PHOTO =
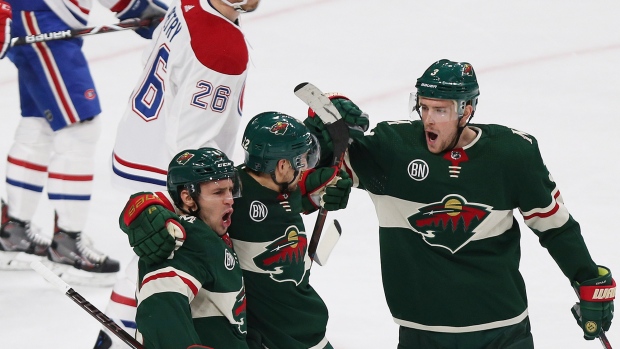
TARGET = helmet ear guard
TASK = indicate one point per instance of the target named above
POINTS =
(447, 79)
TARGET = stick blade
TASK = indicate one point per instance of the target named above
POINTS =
(327, 243)
(318, 101)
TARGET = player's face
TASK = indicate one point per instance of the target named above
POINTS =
(440, 123)
(290, 176)
(216, 200)
(250, 6)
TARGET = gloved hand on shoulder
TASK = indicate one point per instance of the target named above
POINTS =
(5, 28)
(595, 309)
(142, 9)
(354, 118)
(327, 187)
(154, 231)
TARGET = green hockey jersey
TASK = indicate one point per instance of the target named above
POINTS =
(284, 311)
(198, 297)
(450, 245)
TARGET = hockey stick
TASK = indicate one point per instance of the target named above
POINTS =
(74, 33)
(339, 133)
(327, 243)
(84, 304)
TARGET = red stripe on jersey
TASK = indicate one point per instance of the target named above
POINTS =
(26, 164)
(171, 274)
(119, 6)
(68, 177)
(546, 214)
(138, 166)
(84, 10)
(117, 298)
(217, 44)
(49, 67)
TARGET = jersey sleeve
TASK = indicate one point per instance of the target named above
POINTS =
(165, 292)
(369, 157)
(540, 202)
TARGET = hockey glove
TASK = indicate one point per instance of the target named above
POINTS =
(354, 118)
(142, 9)
(595, 310)
(327, 187)
(154, 231)
(5, 28)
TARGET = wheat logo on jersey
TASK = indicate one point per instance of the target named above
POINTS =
(279, 128)
(184, 158)
(418, 169)
(449, 223)
(258, 211)
(284, 258)
(239, 311)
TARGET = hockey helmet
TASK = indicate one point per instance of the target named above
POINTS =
(447, 79)
(272, 136)
(191, 167)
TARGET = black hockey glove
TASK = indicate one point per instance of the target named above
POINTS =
(154, 231)
(595, 309)
(327, 187)
(354, 118)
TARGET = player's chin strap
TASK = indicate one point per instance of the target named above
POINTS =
(459, 131)
(284, 185)
(237, 5)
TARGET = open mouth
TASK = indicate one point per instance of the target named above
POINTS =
(431, 136)
(226, 218)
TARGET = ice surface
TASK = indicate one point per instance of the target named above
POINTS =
(549, 68)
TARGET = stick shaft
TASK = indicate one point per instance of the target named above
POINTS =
(75, 33)
(86, 305)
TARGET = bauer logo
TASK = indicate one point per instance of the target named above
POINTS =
(258, 211)
(229, 260)
(418, 170)
(427, 85)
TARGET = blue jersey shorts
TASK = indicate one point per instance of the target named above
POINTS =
(54, 78)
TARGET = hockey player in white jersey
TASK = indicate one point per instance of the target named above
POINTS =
(56, 138)
(189, 96)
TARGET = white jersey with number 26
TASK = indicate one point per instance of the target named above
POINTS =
(189, 95)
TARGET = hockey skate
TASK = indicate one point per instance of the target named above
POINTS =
(72, 257)
(20, 244)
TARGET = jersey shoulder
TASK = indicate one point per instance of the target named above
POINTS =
(217, 43)
(514, 148)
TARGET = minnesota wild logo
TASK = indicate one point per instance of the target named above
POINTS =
(239, 311)
(279, 128)
(284, 258)
(450, 223)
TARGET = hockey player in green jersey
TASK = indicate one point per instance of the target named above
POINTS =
(444, 191)
(197, 299)
(267, 230)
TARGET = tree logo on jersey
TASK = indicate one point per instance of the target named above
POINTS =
(184, 158)
(279, 128)
(239, 311)
(284, 258)
(449, 223)
(418, 169)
